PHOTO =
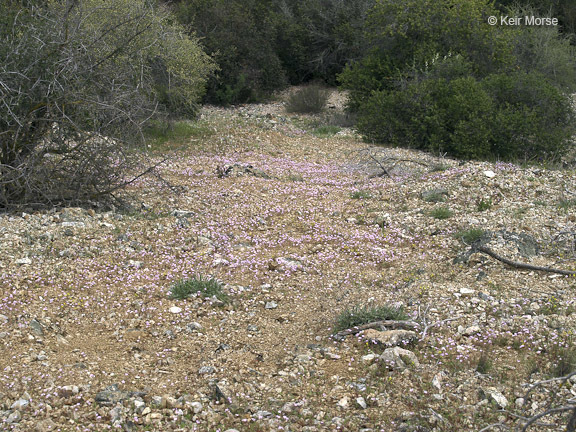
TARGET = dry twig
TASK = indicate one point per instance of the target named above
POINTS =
(515, 264)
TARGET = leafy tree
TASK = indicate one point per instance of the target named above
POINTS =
(77, 83)
(240, 36)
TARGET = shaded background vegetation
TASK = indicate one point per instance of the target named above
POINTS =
(80, 80)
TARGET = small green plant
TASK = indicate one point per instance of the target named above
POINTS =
(565, 361)
(309, 99)
(295, 177)
(484, 364)
(438, 167)
(434, 195)
(199, 286)
(441, 213)
(566, 204)
(551, 306)
(359, 315)
(326, 131)
(471, 235)
(158, 134)
(483, 205)
(361, 194)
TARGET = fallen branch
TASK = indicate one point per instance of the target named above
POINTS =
(391, 324)
(515, 264)
(436, 323)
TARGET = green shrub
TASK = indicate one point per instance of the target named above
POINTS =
(471, 235)
(437, 78)
(309, 99)
(198, 285)
(532, 120)
(441, 213)
(359, 315)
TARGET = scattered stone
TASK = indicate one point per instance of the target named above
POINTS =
(398, 358)
(196, 407)
(20, 404)
(68, 391)
(466, 292)
(15, 417)
(271, 305)
(252, 328)
(36, 327)
(182, 213)
(472, 330)
(390, 337)
(206, 370)
(490, 174)
(361, 402)
(344, 403)
(24, 261)
(3, 319)
(159, 401)
(111, 395)
(194, 326)
(175, 309)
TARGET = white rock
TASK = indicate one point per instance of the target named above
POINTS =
(437, 381)
(490, 174)
(494, 395)
(361, 402)
(344, 402)
(271, 305)
(472, 330)
(368, 358)
(20, 404)
(175, 309)
(15, 417)
(196, 407)
(466, 292)
(24, 261)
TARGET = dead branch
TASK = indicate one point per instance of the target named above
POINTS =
(535, 418)
(437, 323)
(391, 324)
(515, 264)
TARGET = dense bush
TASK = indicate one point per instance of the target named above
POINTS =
(309, 99)
(78, 83)
(437, 77)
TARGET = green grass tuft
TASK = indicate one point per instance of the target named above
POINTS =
(471, 235)
(359, 315)
(361, 194)
(198, 285)
(484, 205)
(326, 131)
(158, 134)
(441, 213)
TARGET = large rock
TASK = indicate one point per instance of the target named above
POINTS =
(398, 358)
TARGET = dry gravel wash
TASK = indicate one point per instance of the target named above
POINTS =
(91, 340)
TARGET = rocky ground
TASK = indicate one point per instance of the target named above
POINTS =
(300, 224)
